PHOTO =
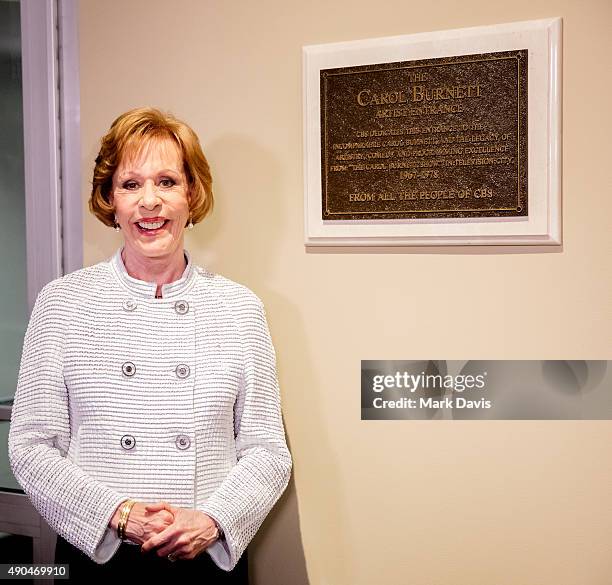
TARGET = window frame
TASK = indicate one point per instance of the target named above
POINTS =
(51, 120)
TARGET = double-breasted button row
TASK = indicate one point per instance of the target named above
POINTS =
(181, 307)
(182, 370)
(182, 442)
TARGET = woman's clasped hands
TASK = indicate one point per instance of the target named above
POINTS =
(142, 524)
(187, 534)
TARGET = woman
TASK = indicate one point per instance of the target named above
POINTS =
(147, 408)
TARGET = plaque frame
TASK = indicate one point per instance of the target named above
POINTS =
(543, 225)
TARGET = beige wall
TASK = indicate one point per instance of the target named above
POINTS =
(373, 502)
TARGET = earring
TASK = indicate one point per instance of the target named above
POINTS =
(190, 225)
(117, 226)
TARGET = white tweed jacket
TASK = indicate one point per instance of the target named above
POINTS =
(122, 395)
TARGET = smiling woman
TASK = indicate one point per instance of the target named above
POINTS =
(151, 180)
(151, 198)
(147, 409)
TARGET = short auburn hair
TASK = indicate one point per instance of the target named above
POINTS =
(127, 134)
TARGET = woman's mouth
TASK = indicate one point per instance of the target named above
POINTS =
(151, 228)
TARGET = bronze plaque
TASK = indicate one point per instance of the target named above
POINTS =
(434, 138)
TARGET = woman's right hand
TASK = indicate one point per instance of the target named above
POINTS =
(142, 524)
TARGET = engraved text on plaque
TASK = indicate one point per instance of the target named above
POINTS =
(434, 138)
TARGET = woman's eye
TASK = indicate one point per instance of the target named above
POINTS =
(166, 182)
(130, 185)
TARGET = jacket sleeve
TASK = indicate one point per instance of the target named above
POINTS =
(76, 506)
(263, 467)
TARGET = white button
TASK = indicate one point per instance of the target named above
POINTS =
(181, 307)
(183, 442)
(128, 369)
(182, 370)
(129, 304)
(128, 442)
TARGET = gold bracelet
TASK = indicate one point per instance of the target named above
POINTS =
(126, 508)
(123, 518)
(121, 523)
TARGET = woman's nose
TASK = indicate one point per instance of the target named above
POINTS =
(149, 198)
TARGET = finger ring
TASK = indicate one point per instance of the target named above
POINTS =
(172, 557)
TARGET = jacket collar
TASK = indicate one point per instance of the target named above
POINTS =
(143, 289)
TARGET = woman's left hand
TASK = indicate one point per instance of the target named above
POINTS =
(191, 533)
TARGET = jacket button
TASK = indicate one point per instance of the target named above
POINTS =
(128, 442)
(181, 307)
(182, 370)
(128, 369)
(183, 442)
(129, 304)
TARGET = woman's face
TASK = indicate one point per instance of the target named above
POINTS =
(151, 199)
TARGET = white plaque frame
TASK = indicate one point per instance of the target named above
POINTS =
(543, 226)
